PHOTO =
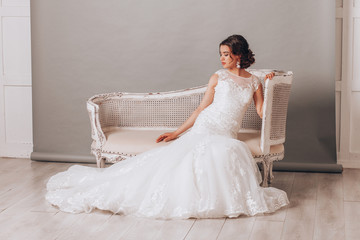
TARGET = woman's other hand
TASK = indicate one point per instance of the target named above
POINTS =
(167, 137)
(270, 75)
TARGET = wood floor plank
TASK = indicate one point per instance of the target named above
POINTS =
(35, 202)
(26, 226)
(352, 226)
(6, 184)
(174, 229)
(12, 196)
(9, 164)
(205, 229)
(32, 181)
(266, 230)
(351, 180)
(237, 228)
(143, 229)
(17, 177)
(85, 226)
(115, 227)
(300, 216)
(278, 216)
(300, 220)
(305, 186)
(27, 193)
(66, 225)
(283, 181)
(329, 222)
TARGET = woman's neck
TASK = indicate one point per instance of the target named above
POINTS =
(239, 71)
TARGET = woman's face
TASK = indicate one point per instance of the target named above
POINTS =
(227, 59)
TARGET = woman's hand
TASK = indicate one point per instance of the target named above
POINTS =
(270, 75)
(167, 137)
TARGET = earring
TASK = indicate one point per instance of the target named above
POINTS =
(238, 64)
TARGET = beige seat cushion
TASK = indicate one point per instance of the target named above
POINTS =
(130, 141)
(253, 141)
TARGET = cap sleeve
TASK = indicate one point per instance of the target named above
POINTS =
(220, 73)
(255, 83)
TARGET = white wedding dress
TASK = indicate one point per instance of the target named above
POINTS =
(205, 173)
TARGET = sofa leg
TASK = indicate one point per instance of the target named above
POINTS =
(100, 163)
(265, 173)
(271, 176)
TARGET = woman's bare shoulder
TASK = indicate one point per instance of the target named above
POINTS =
(213, 80)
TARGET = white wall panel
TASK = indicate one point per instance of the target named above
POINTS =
(355, 123)
(356, 57)
(338, 71)
(339, 3)
(338, 48)
(349, 86)
(15, 3)
(16, 50)
(15, 79)
(338, 111)
(356, 3)
(355, 94)
(18, 114)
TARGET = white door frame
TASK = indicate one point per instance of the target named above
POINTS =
(15, 79)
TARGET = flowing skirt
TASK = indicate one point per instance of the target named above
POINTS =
(197, 175)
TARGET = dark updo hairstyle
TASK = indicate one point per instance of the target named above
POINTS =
(239, 46)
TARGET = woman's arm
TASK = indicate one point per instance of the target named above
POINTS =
(259, 96)
(206, 101)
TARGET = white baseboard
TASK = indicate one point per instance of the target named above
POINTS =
(352, 162)
(16, 150)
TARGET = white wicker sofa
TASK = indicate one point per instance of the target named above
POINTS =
(126, 124)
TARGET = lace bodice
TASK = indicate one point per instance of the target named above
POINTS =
(233, 95)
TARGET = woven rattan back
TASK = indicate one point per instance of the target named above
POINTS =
(281, 93)
(276, 99)
(163, 110)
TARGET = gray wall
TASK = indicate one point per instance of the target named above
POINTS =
(81, 48)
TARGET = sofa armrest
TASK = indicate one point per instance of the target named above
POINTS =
(276, 98)
(97, 133)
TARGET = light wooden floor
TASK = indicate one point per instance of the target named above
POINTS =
(323, 206)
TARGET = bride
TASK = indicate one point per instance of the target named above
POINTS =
(204, 173)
